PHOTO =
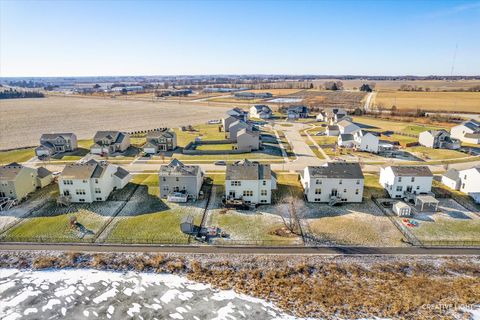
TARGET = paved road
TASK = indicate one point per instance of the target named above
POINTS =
(241, 250)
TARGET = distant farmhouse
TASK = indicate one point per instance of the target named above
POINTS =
(53, 143)
(179, 182)
(438, 139)
(334, 182)
(297, 112)
(17, 181)
(161, 140)
(108, 142)
(252, 95)
(250, 182)
(466, 181)
(399, 181)
(91, 181)
(468, 131)
(260, 112)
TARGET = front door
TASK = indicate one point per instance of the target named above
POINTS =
(409, 188)
(232, 194)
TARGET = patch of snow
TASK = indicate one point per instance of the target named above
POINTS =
(110, 309)
(29, 311)
(50, 304)
(175, 316)
(135, 309)
(104, 296)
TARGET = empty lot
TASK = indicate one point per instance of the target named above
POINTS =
(22, 121)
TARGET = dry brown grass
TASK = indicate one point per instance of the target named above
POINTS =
(395, 85)
(430, 101)
(277, 92)
(22, 121)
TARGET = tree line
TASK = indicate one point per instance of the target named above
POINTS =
(14, 94)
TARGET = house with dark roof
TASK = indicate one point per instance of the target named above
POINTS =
(109, 142)
(235, 128)
(402, 181)
(248, 140)
(332, 131)
(179, 182)
(296, 112)
(250, 182)
(260, 111)
(438, 139)
(53, 143)
(17, 181)
(468, 131)
(91, 181)
(333, 182)
(466, 181)
(334, 115)
(160, 140)
(238, 113)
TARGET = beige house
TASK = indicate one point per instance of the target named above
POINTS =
(235, 127)
(17, 181)
(161, 140)
(52, 143)
(248, 140)
(108, 142)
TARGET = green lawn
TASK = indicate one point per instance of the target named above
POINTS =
(435, 154)
(204, 131)
(224, 146)
(372, 186)
(20, 155)
(383, 125)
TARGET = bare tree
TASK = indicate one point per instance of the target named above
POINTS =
(291, 209)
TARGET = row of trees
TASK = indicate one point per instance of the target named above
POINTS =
(14, 94)
(409, 87)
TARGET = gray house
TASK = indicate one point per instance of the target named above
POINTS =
(162, 140)
(107, 142)
(295, 112)
(179, 182)
(235, 127)
(438, 139)
(248, 140)
(227, 121)
(53, 143)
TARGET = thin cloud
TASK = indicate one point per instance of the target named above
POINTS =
(454, 10)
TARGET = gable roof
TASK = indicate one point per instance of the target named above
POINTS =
(10, 171)
(43, 172)
(177, 168)
(333, 127)
(248, 170)
(411, 171)
(338, 170)
(54, 135)
(121, 173)
(297, 109)
(452, 174)
(84, 170)
(262, 108)
(116, 136)
(346, 136)
(346, 123)
(165, 133)
(472, 124)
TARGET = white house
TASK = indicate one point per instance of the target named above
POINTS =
(400, 181)
(401, 208)
(466, 181)
(438, 139)
(335, 115)
(346, 126)
(468, 131)
(91, 181)
(332, 130)
(367, 141)
(250, 181)
(334, 182)
(346, 140)
(260, 112)
(179, 182)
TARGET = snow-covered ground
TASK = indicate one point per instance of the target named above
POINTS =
(93, 294)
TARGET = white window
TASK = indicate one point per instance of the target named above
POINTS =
(399, 179)
(98, 190)
(84, 181)
(247, 193)
(399, 188)
(99, 199)
(263, 192)
(344, 190)
(235, 183)
(264, 182)
(318, 191)
(340, 182)
(413, 179)
(318, 181)
(358, 181)
(356, 191)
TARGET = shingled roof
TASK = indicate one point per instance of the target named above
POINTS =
(248, 170)
(177, 168)
(412, 171)
(339, 170)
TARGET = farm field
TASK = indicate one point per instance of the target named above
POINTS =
(376, 124)
(85, 116)
(434, 85)
(276, 92)
(430, 101)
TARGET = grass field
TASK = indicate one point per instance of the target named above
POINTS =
(434, 85)
(430, 101)
(372, 187)
(276, 92)
(20, 155)
(375, 124)
(224, 146)
(426, 153)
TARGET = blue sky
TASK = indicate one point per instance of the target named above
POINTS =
(82, 38)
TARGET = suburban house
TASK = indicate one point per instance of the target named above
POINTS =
(346, 140)
(438, 139)
(466, 181)
(161, 140)
(332, 130)
(346, 126)
(108, 142)
(91, 181)
(235, 127)
(248, 140)
(335, 115)
(367, 141)
(52, 143)
(468, 131)
(17, 181)
(260, 112)
(333, 182)
(296, 112)
(400, 181)
(179, 182)
(250, 181)
(321, 116)
(238, 113)
(227, 121)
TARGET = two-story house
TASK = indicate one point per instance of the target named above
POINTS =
(296, 112)
(91, 181)
(250, 181)
(402, 181)
(260, 112)
(466, 181)
(334, 182)
(179, 182)
(468, 131)
(161, 140)
(17, 181)
(53, 143)
(438, 139)
(108, 142)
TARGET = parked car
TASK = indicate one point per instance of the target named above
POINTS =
(220, 163)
